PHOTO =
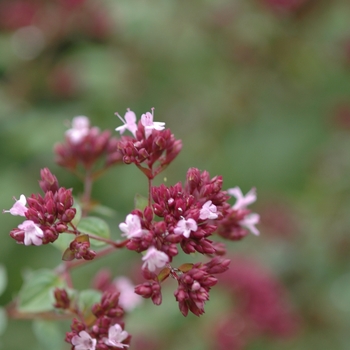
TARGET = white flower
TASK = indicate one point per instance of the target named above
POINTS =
(131, 227)
(149, 124)
(32, 233)
(129, 122)
(250, 221)
(80, 128)
(19, 208)
(242, 201)
(128, 299)
(208, 211)
(154, 258)
(116, 336)
(83, 341)
(184, 227)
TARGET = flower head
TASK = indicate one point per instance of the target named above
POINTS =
(83, 341)
(250, 221)
(131, 227)
(184, 227)
(154, 258)
(19, 208)
(116, 335)
(208, 211)
(242, 201)
(80, 128)
(33, 234)
(149, 124)
(129, 122)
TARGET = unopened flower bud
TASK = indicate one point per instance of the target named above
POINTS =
(193, 178)
(148, 213)
(62, 299)
(48, 181)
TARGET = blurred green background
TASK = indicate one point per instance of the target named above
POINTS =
(258, 91)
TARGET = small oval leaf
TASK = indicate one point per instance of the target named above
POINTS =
(48, 334)
(92, 225)
(36, 294)
(78, 213)
(87, 298)
(185, 267)
(164, 274)
(140, 202)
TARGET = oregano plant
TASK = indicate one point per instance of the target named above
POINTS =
(187, 217)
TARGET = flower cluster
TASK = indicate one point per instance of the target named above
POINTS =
(150, 143)
(47, 216)
(85, 146)
(179, 217)
(238, 220)
(105, 331)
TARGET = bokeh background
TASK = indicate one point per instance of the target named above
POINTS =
(259, 92)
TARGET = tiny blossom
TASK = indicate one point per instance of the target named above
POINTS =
(19, 208)
(208, 211)
(128, 299)
(149, 124)
(83, 341)
(32, 233)
(250, 221)
(129, 122)
(184, 227)
(131, 227)
(242, 201)
(80, 128)
(116, 335)
(154, 258)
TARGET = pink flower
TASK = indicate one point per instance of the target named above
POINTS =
(250, 221)
(83, 341)
(80, 128)
(149, 124)
(208, 211)
(116, 335)
(131, 227)
(19, 208)
(242, 201)
(184, 227)
(154, 258)
(129, 122)
(128, 299)
(32, 233)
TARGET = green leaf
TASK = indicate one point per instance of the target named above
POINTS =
(3, 278)
(164, 274)
(103, 210)
(140, 202)
(77, 216)
(3, 320)
(94, 226)
(87, 298)
(36, 294)
(48, 334)
(63, 241)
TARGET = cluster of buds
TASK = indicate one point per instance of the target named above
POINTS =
(103, 329)
(47, 216)
(85, 146)
(79, 248)
(150, 143)
(187, 216)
